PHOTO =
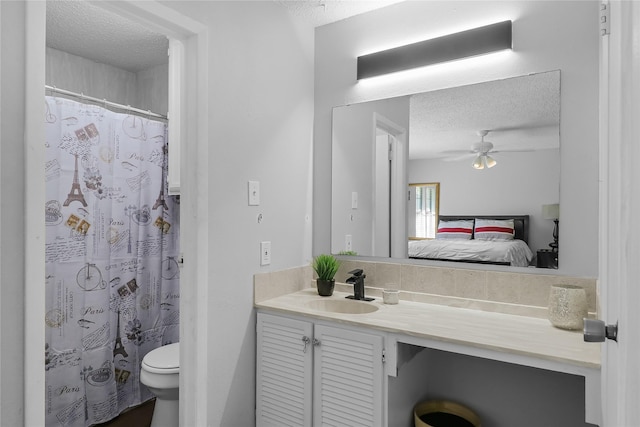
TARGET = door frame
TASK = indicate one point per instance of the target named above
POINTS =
(398, 220)
(193, 109)
(619, 208)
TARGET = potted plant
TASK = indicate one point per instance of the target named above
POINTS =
(326, 266)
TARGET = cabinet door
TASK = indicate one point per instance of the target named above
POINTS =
(348, 378)
(283, 371)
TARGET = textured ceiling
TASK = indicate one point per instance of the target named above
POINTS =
(521, 113)
(87, 30)
(322, 12)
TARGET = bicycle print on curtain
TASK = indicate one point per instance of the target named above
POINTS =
(112, 279)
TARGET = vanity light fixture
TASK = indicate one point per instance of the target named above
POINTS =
(474, 42)
(484, 161)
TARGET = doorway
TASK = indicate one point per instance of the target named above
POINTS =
(389, 226)
(192, 72)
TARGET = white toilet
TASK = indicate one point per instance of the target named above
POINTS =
(160, 372)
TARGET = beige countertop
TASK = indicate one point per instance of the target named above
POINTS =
(505, 333)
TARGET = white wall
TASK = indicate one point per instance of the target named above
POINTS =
(147, 89)
(260, 121)
(495, 191)
(561, 35)
(152, 89)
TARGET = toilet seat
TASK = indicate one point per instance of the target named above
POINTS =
(163, 360)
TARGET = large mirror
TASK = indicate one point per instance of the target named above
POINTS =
(494, 150)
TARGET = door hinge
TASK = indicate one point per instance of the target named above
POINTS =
(384, 356)
(390, 151)
(605, 27)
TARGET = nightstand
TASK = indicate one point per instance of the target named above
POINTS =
(546, 258)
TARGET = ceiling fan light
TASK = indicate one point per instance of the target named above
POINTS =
(478, 163)
(490, 161)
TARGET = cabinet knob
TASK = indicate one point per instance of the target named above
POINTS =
(316, 342)
(306, 340)
(597, 331)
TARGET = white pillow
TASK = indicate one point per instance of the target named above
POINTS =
(494, 229)
(456, 230)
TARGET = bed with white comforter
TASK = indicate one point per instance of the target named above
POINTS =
(514, 252)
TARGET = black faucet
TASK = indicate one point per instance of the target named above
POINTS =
(357, 279)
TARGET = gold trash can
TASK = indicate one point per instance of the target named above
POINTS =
(444, 413)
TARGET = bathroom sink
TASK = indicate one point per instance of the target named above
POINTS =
(341, 306)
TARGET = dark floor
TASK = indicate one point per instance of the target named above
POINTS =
(140, 416)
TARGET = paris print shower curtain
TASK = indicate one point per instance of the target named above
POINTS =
(112, 277)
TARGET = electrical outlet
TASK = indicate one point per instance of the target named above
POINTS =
(348, 242)
(354, 200)
(265, 253)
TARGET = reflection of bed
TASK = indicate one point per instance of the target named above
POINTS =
(514, 252)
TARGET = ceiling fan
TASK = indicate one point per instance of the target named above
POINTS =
(481, 150)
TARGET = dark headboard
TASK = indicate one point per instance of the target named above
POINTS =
(521, 222)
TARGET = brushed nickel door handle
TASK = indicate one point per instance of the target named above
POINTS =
(597, 331)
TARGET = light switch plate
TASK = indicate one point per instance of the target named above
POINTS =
(354, 200)
(254, 193)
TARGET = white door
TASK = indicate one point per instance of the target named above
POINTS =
(382, 197)
(398, 184)
(619, 267)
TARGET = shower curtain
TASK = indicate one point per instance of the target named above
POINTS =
(112, 276)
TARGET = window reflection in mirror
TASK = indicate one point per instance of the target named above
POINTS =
(423, 210)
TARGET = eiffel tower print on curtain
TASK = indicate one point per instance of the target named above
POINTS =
(76, 193)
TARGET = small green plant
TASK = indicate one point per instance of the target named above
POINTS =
(326, 266)
(353, 253)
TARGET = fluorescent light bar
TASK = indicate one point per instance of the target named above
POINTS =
(477, 41)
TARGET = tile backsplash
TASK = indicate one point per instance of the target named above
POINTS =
(478, 289)
(277, 283)
(485, 285)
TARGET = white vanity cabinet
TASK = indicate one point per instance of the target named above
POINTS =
(284, 370)
(511, 370)
(309, 373)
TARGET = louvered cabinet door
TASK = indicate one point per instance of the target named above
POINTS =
(283, 371)
(348, 378)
